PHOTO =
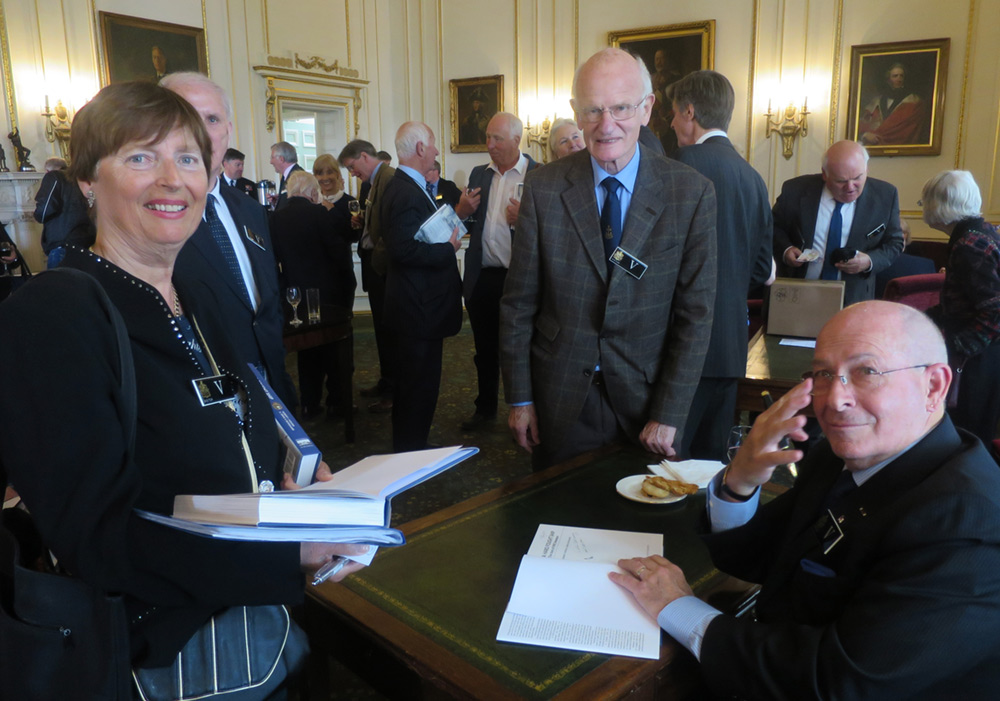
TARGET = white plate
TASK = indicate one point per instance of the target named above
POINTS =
(631, 488)
(698, 472)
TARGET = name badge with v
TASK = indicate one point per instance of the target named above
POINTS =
(629, 263)
(214, 389)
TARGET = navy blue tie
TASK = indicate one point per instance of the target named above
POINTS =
(430, 190)
(841, 487)
(611, 219)
(833, 242)
(226, 245)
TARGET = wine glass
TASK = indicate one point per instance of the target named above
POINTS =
(294, 297)
(737, 435)
(354, 206)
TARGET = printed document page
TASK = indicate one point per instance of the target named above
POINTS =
(563, 598)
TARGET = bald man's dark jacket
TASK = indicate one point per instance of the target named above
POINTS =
(905, 606)
(875, 229)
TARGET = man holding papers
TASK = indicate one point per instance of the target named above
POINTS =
(880, 569)
(423, 290)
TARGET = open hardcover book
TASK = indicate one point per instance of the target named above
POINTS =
(352, 507)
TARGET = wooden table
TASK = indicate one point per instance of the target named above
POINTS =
(773, 368)
(335, 326)
(421, 622)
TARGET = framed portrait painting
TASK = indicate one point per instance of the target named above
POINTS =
(896, 105)
(144, 49)
(473, 102)
(670, 52)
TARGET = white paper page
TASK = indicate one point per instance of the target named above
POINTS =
(699, 472)
(593, 544)
(380, 475)
(574, 606)
(798, 342)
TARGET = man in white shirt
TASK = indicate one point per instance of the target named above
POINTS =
(880, 568)
(493, 198)
(862, 212)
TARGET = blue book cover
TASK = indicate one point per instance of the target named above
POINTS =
(300, 456)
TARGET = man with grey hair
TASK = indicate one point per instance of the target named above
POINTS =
(880, 568)
(361, 161)
(231, 251)
(488, 255)
(423, 291)
(702, 104)
(607, 308)
(861, 212)
(285, 161)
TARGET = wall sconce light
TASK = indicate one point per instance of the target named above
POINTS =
(539, 134)
(58, 127)
(788, 125)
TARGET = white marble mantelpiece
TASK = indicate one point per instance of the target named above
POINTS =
(17, 206)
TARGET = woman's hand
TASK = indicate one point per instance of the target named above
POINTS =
(322, 474)
(315, 555)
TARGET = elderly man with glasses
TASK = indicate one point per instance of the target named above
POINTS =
(607, 306)
(880, 568)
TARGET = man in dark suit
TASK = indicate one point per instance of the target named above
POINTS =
(702, 106)
(285, 161)
(880, 568)
(443, 191)
(232, 172)
(231, 253)
(423, 292)
(360, 160)
(862, 210)
(488, 255)
(607, 308)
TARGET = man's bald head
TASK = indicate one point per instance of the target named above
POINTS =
(845, 170)
(880, 380)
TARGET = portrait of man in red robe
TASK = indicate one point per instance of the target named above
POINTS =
(897, 115)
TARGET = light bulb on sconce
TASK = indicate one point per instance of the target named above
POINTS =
(539, 134)
(788, 124)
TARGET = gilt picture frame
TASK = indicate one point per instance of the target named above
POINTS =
(135, 48)
(473, 102)
(897, 94)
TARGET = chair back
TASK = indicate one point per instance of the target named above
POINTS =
(918, 291)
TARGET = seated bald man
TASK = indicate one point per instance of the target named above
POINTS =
(880, 568)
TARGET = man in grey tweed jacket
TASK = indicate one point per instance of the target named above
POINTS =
(605, 340)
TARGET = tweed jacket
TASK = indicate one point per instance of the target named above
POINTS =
(374, 216)
(561, 316)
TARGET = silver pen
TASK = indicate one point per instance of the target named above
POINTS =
(335, 565)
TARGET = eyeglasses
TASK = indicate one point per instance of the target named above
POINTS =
(862, 378)
(619, 113)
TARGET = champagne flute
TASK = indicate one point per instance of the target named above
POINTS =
(737, 435)
(294, 297)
